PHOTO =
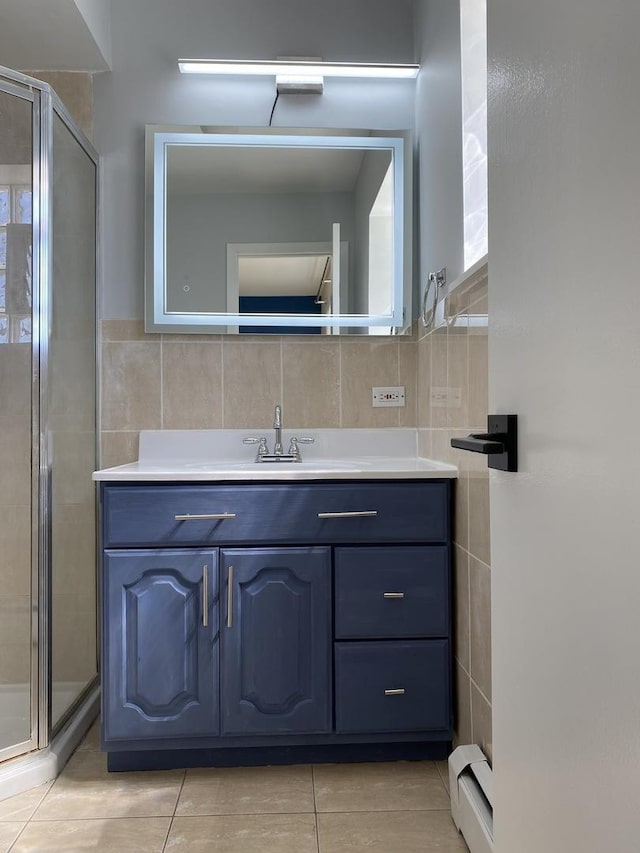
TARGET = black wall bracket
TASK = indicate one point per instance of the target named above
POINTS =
(499, 442)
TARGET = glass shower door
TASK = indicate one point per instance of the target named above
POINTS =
(18, 661)
(72, 420)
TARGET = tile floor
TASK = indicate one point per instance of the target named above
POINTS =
(329, 808)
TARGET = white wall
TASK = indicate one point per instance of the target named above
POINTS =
(145, 87)
(439, 133)
(199, 228)
(61, 35)
(372, 171)
(564, 226)
(97, 16)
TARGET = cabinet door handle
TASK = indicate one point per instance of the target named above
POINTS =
(367, 513)
(394, 691)
(230, 598)
(210, 516)
(393, 594)
(205, 596)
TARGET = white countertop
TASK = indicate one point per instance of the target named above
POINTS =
(217, 455)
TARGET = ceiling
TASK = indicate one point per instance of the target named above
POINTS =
(61, 35)
(282, 275)
(196, 170)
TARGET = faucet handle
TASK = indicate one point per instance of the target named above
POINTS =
(294, 450)
(261, 442)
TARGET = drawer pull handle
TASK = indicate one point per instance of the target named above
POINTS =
(211, 516)
(205, 596)
(367, 513)
(230, 598)
(394, 691)
(393, 595)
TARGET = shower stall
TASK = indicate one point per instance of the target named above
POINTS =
(48, 415)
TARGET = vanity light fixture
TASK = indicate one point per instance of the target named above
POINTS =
(297, 68)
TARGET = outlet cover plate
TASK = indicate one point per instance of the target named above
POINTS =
(389, 395)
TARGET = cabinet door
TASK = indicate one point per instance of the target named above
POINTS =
(160, 654)
(276, 640)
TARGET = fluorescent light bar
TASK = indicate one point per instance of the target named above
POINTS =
(307, 69)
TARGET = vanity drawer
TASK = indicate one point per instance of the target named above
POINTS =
(392, 686)
(292, 513)
(391, 591)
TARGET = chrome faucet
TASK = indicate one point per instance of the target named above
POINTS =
(292, 455)
(277, 425)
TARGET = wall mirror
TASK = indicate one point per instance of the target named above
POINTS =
(265, 230)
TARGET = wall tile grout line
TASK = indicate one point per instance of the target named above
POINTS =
(161, 381)
(282, 370)
(222, 384)
(340, 383)
(398, 381)
(469, 611)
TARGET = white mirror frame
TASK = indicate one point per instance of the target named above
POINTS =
(159, 319)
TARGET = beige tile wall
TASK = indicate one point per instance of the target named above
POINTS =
(452, 400)
(214, 381)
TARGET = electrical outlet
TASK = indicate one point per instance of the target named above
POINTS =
(390, 395)
(442, 397)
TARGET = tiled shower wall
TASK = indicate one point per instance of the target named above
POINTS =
(75, 90)
(15, 432)
(15, 513)
(452, 401)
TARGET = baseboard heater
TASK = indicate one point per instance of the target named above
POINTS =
(471, 787)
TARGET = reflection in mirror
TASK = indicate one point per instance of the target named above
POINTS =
(284, 278)
(275, 233)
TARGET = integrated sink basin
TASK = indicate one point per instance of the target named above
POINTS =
(256, 467)
(327, 454)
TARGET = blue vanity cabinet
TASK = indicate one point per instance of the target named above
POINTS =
(276, 640)
(160, 644)
(275, 622)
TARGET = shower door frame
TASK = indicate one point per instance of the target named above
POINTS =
(53, 105)
(44, 104)
(10, 83)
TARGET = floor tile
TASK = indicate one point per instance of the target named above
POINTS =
(86, 790)
(133, 835)
(392, 832)
(443, 770)
(8, 834)
(22, 806)
(247, 790)
(243, 834)
(392, 786)
(91, 741)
